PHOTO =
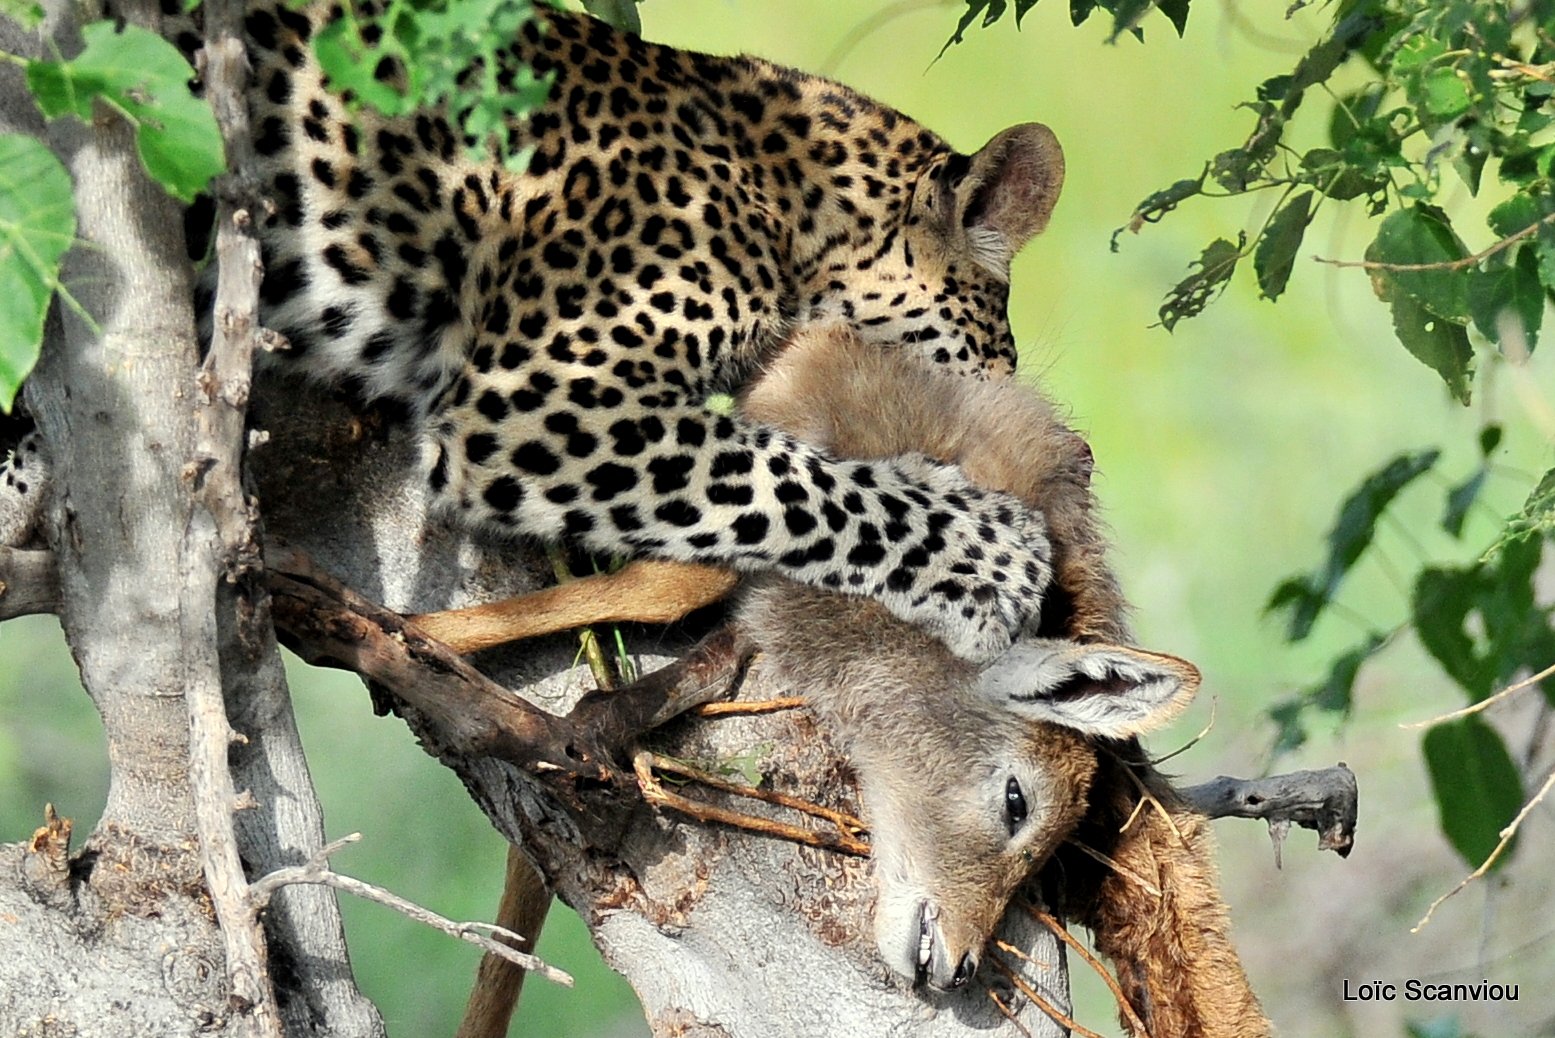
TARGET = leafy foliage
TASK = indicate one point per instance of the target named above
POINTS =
(142, 77)
(1450, 90)
(127, 70)
(440, 53)
(1307, 597)
(37, 225)
(1478, 790)
(1127, 15)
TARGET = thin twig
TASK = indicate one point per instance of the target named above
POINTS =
(317, 871)
(1209, 725)
(1007, 1012)
(1059, 1016)
(752, 707)
(1484, 704)
(1157, 806)
(1114, 865)
(1506, 839)
(654, 792)
(1457, 264)
(1062, 933)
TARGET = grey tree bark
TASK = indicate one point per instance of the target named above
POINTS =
(721, 932)
(120, 938)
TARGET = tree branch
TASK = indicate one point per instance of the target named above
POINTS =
(1324, 801)
(28, 582)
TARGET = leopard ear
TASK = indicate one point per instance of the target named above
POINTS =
(1002, 196)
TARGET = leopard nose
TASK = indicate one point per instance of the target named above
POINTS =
(964, 971)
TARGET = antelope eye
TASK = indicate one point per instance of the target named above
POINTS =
(1014, 805)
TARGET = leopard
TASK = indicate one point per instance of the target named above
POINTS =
(560, 335)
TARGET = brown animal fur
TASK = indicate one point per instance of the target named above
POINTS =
(1175, 960)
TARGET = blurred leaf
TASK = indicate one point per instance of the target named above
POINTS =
(1460, 499)
(1334, 694)
(37, 225)
(1290, 732)
(1176, 12)
(1439, 344)
(1477, 787)
(26, 13)
(144, 78)
(622, 14)
(1482, 622)
(1193, 293)
(1508, 300)
(1489, 439)
(970, 15)
(1126, 16)
(1535, 519)
(1276, 253)
(1422, 235)
(1307, 597)
(1442, 600)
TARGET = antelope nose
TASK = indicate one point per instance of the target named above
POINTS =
(964, 971)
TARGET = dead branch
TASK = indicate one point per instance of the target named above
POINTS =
(317, 871)
(220, 544)
(1324, 801)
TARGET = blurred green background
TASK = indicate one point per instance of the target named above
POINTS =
(1222, 450)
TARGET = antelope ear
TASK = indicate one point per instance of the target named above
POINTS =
(1002, 197)
(1105, 690)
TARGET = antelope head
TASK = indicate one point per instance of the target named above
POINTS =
(967, 793)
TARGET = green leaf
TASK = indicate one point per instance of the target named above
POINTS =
(1443, 94)
(973, 9)
(1439, 344)
(1422, 235)
(1535, 519)
(1442, 600)
(26, 13)
(1482, 622)
(1176, 12)
(1153, 208)
(1193, 293)
(1334, 694)
(1508, 301)
(1126, 16)
(1306, 597)
(1276, 253)
(37, 225)
(1331, 173)
(622, 14)
(144, 78)
(1460, 499)
(1477, 787)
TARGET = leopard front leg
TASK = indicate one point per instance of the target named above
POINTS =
(680, 482)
